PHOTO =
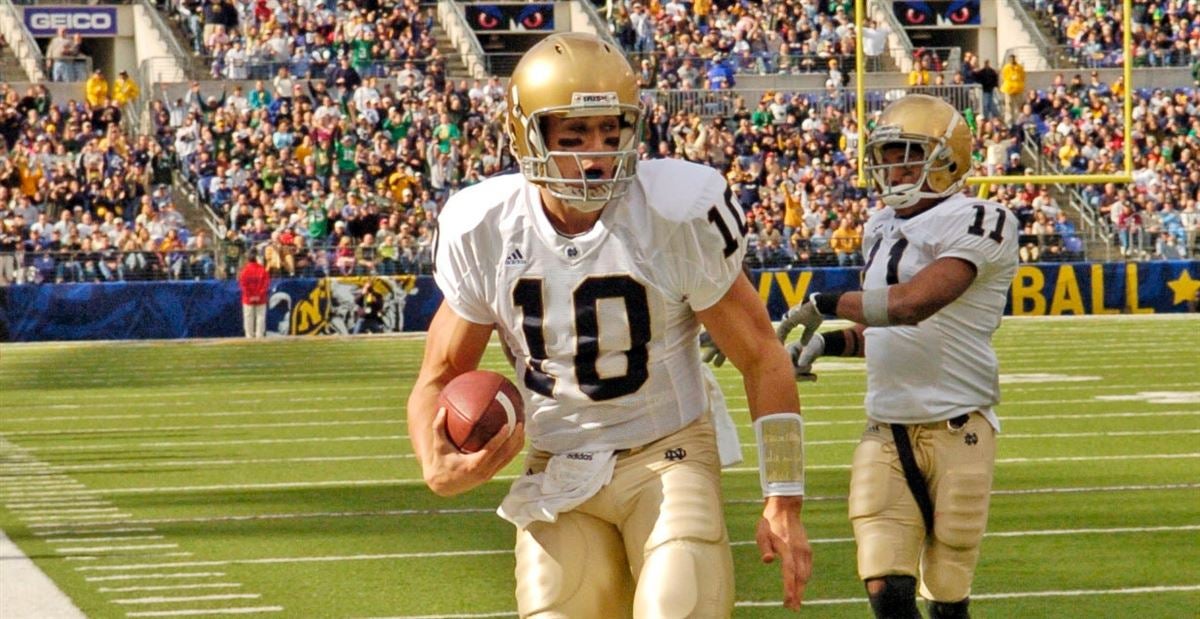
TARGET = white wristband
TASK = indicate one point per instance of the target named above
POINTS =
(875, 307)
(780, 454)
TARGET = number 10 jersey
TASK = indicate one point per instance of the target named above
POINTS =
(602, 325)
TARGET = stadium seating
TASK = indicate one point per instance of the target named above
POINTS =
(1164, 34)
(344, 171)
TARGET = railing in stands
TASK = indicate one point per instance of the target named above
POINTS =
(23, 44)
(453, 20)
(720, 103)
(1031, 28)
(903, 53)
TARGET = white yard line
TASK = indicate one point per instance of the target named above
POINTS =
(197, 612)
(86, 549)
(863, 600)
(158, 599)
(1002, 596)
(76, 540)
(210, 585)
(501, 478)
(34, 594)
(1008, 406)
(261, 441)
(159, 576)
(478, 553)
(397, 437)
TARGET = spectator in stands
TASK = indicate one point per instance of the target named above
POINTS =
(1189, 218)
(875, 37)
(920, 75)
(1013, 88)
(124, 89)
(255, 283)
(59, 57)
(846, 242)
(96, 89)
(988, 81)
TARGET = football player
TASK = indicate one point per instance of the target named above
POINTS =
(597, 271)
(938, 270)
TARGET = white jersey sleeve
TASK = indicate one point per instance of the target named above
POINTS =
(700, 231)
(465, 254)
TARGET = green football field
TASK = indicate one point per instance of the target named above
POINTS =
(275, 479)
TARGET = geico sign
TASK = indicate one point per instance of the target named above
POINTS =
(71, 21)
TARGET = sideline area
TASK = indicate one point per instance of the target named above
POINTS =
(26, 592)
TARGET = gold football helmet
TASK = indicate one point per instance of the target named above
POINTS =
(934, 136)
(573, 75)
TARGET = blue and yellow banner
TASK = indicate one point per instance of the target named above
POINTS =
(175, 310)
(1038, 289)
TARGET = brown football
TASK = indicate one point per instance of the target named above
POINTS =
(478, 404)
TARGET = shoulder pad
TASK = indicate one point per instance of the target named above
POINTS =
(471, 206)
(680, 190)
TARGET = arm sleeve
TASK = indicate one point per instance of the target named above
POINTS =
(959, 237)
(457, 274)
(709, 247)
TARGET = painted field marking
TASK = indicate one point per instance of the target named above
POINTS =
(36, 595)
(188, 598)
(1004, 596)
(279, 441)
(84, 549)
(91, 531)
(479, 553)
(54, 503)
(155, 576)
(1008, 406)
(210, 585)
(56, 519)
(197, 612)
(501, 478)
(863, 600)
(262, 441)
(76, 540)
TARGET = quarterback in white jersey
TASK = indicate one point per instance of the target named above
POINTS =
(597, 272)
(939, 265)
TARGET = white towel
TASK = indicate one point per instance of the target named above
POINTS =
(729, 446)
(568, 481)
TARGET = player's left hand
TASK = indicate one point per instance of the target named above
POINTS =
(801, 315)
(780, 534)
(803, 355)
(709, 353)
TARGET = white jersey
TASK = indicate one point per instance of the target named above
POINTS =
(945, 366)
(602, 325)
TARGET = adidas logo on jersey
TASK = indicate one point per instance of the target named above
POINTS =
(515, 259)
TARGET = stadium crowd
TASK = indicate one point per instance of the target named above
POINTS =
(345, 174)
(299, 39)
(704, 44)
(1165, 33)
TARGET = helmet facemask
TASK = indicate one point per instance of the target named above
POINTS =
(583, 193)
(939, 177)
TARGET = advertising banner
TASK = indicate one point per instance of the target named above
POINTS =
(348, 305)
(89, 21)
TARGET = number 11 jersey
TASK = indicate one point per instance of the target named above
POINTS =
(945, 366)
(602, 325)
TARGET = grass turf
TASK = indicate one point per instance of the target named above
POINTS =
(277, 475)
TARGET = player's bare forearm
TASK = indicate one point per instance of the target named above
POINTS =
(453, 346)
(741, 329)
(910, 302)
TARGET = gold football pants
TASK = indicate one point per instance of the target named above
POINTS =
(957, 464)
(650, 544)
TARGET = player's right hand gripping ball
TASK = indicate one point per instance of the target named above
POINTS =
(478, 404)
